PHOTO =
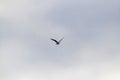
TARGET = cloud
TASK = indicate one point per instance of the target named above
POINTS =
(89, 51)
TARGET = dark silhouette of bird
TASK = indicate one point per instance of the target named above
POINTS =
(57, 42)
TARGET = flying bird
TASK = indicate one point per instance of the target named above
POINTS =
(57, 42)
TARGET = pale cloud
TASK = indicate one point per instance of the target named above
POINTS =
(89, 51)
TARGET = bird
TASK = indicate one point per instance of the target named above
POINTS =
(57, 42)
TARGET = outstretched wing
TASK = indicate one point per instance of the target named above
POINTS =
(54, 40)
(61, 39)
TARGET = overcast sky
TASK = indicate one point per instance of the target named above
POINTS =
(90, 49)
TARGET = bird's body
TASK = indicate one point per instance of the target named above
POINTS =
(57, 42)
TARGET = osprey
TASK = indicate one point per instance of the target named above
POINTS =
(57, 42)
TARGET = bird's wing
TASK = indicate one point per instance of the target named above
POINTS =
(61, 39)
(54, 40)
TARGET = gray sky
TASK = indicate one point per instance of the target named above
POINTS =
(90, 49)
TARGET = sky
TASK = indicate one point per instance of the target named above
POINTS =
(90, 49)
